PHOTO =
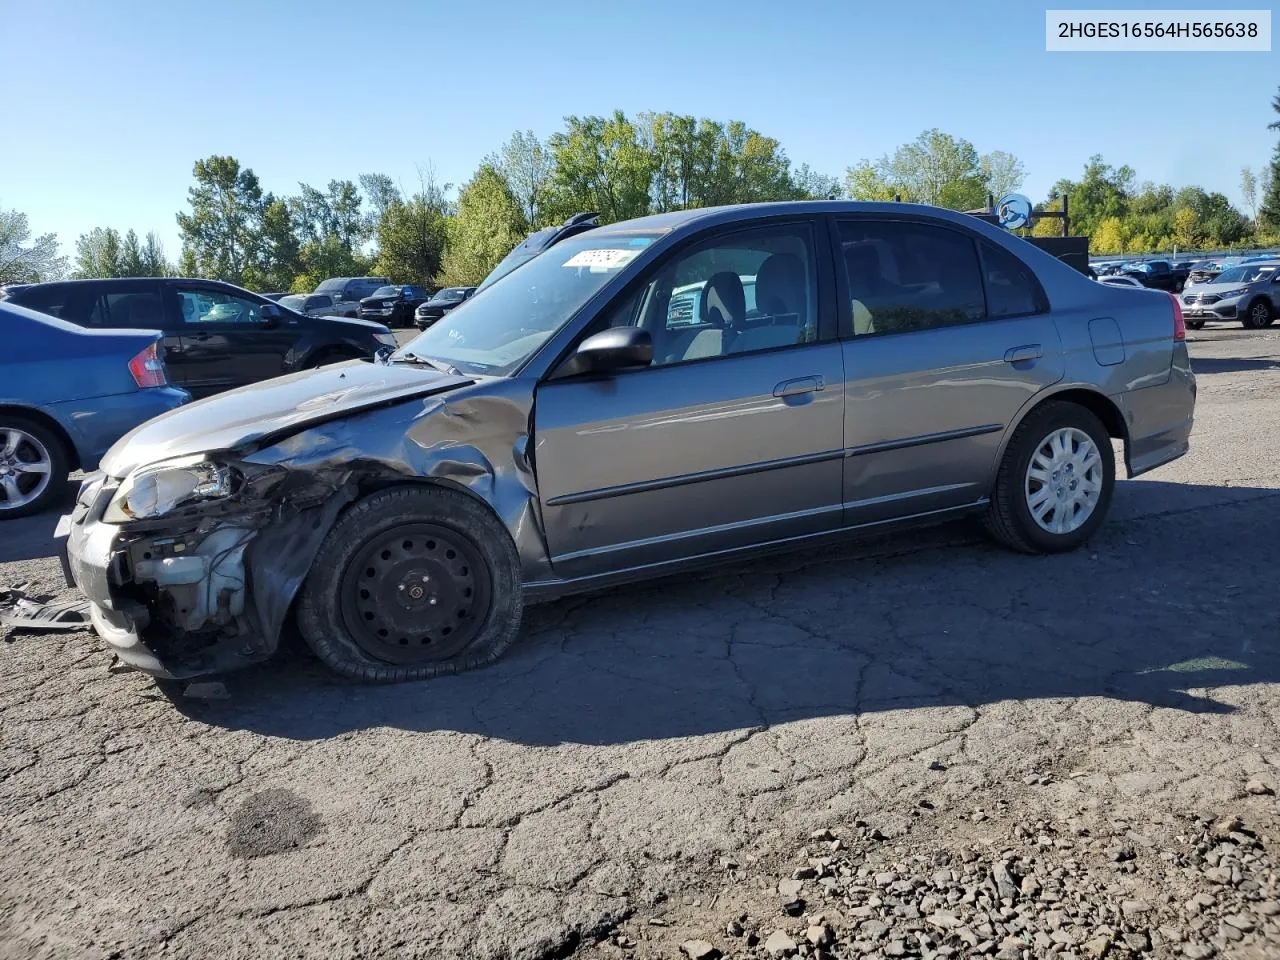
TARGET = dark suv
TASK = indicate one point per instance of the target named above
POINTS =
(347, 292)
(393, 304)
(216, 335)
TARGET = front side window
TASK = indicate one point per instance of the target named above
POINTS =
(905, 276)
(319, 302)
(748, 291)
(497, 331)
(201, 307)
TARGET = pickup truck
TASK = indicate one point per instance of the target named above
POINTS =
(1158, 275)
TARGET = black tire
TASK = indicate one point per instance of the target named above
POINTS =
(389, 636)
(1258, 315)
(1009, 518)
(1195, 324)
(40, 443)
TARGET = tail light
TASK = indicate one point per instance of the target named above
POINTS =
(148, 368)
(1179, 324)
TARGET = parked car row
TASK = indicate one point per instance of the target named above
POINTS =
(66, 398)
(566, 428)
(1248, 292)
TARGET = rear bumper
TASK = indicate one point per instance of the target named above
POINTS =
(1160, 418)
(94, 425)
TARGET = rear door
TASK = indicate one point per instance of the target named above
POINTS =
(948, 336)
(226, 341)
(732, 437)
(120, 304)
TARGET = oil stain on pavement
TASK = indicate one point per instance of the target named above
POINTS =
(271, 821)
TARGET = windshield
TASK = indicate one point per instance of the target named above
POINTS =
(450, 293)
(387, 292)
(498, 329)
(1247, 274)
(532, 246)
(292, 302)
(332, 286)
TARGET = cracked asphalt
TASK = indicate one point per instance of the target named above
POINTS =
(632, 738)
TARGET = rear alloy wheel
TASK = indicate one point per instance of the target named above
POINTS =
(1259, 315)
(411, 583)
(1055, 483)
(33, 467)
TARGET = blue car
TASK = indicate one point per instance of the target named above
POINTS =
(66, 395)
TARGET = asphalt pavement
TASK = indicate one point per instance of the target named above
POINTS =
(634, 739)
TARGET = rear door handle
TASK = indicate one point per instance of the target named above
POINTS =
(793, 388)
(1031, 351)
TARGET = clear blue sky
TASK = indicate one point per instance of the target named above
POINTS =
(118, 99)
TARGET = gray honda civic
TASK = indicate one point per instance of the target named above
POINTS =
(676, 390)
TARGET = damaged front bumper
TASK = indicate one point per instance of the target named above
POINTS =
(204, 591)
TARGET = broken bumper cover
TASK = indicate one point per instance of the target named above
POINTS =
(208, 596)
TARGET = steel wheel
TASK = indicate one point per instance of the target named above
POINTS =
(415, 594)
(1064, 480)
(26, 468)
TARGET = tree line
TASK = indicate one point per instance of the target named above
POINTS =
(620, 167)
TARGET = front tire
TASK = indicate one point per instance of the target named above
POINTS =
(1258, 316)
(34, 463)
(1055, 482)
(412, 583)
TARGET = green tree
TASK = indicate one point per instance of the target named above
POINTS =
(1187, 231)
(411, 239)
(489, 222)
(279, 258)
(1249, 191)
(154, 261)
(864, 182)
(98, 254)
(600, 164)
(380, 191)
(1269, 210)
(222, 230)
(1109, 237)
(1103, 191)
(812, 185)
(131, 264)
(24, 259)
(528, 165)
(1002, 172)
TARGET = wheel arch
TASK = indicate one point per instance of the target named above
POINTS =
(1096, 402)
(52, 424)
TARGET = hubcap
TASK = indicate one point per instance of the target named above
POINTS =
(1064, 480)
(25, 468)
(415, 594)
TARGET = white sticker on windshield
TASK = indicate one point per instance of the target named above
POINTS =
(600, 261)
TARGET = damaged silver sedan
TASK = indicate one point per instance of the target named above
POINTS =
(675, 390)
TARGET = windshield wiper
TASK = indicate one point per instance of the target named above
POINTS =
(429, 362)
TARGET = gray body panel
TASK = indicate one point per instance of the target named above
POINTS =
(601, 479)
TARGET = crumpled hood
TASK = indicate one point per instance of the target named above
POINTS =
(238, 418)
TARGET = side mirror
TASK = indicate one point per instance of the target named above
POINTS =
(271, 314)
(619, 348)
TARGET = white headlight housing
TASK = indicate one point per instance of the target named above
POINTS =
(155, 490)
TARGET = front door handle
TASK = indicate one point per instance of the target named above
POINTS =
(793, 388)
(1031, 351)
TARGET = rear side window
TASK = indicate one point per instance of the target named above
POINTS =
(906, 276)
(1012, 290)
(51, 300)
(144, 310)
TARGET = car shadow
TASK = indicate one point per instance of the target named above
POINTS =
(1203, 365)
(1172, 599)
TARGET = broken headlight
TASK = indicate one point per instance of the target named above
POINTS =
(155, 490)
